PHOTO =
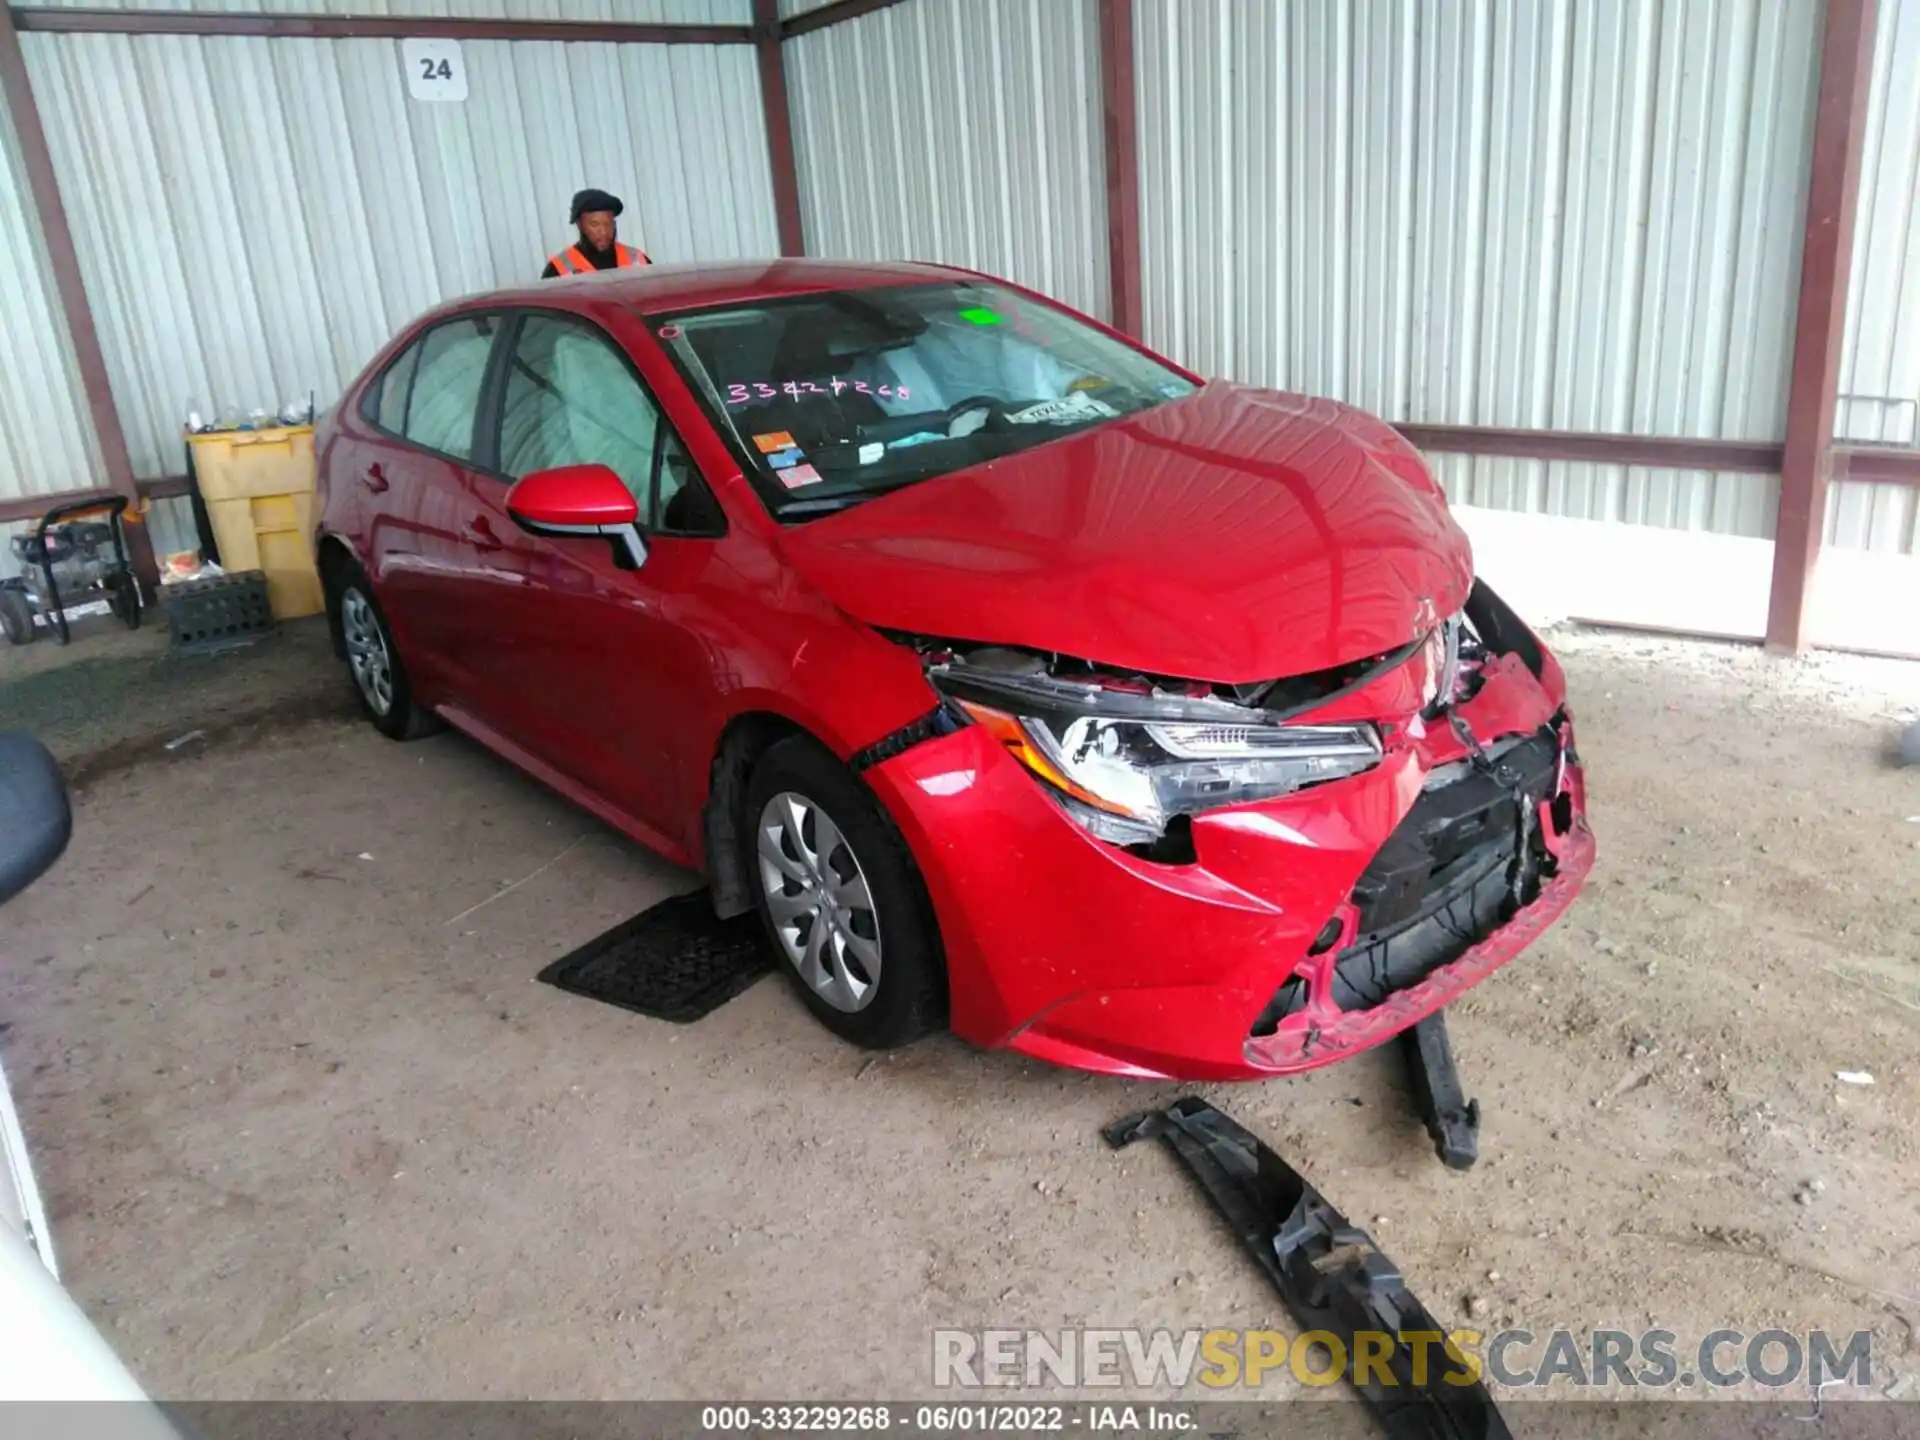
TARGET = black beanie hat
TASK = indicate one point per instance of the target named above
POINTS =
(589, 201)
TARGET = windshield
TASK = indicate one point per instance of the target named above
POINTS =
(833, 398)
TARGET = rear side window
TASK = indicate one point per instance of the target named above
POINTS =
(390, 411)
(447, 381)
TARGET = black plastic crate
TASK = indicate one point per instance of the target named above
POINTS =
(217, 613)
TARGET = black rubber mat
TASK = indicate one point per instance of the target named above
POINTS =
(674, 961)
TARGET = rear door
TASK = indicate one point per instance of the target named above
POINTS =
(419, 538)
(353, 464)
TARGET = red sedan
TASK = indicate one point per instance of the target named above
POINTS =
(1025, 682)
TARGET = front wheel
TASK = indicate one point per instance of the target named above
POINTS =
(378, 675)
(842, 899)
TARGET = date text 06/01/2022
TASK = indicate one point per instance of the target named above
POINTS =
(969, 1418)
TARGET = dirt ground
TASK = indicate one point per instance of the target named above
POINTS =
(308, 1128)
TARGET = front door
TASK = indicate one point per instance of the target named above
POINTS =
(605, 678)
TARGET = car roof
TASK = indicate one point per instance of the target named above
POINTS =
(660, 289)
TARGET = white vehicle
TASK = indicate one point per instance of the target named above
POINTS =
(49, 1350)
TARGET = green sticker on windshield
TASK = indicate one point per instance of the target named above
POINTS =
(980, 315)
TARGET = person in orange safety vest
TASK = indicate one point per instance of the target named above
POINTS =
(594, 213)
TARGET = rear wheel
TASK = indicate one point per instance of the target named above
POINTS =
(378, 674)
(842, 899)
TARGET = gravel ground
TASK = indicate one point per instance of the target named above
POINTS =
(115, 697)
(308, 1130)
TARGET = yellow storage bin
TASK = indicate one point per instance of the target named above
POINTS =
(258, 489)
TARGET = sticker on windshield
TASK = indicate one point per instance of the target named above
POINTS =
(1077, 406)
(785, 459)
(796, 476)
(980, 315)
(870, 454)
(773, 440)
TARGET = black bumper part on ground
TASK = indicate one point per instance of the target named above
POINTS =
(1452, 1120)
(1328, 1270)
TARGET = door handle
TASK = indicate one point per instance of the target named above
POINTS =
(479, 533)
(374, 478)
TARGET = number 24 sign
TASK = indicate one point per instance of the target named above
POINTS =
(434, 69)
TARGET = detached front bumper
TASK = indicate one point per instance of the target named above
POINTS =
(1083, 954)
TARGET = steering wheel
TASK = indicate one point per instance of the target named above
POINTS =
(995, 409)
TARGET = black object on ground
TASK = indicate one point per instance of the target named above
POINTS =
(674, 961)
(36, 820)
(1452, 1120)
(1329, 1271)
(217, 613)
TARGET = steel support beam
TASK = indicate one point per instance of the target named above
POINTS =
(778, 113)
(1826, 257)
(1676, 452)
(1123, 164)
(836, 13)
(366, 27)
(1877, 465)
(30, 507)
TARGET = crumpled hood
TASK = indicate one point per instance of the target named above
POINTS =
(1233, 536)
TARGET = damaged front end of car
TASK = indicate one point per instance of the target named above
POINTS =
(1492, 850)
(1359, 844)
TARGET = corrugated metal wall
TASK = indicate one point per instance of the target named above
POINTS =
(1579, 216)
(965, 133)
(1880, 367)
(260, 215)
(46, 433)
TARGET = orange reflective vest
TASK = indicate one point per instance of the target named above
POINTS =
(573, 260)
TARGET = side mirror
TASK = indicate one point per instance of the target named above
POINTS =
(580, 500)
(35, 819)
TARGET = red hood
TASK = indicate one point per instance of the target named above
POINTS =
(1233, 536)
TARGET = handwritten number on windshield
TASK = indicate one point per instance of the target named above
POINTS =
(745, 392)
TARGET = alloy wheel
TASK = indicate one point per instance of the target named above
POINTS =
(819, 900)
(367, 654)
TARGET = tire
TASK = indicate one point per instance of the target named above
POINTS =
(373, 661)
(16, 616)
(796, 785)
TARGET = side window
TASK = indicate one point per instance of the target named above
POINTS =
(390, 413)
(571, 398)
(447, 379)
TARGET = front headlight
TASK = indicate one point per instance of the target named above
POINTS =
(1125, 775)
